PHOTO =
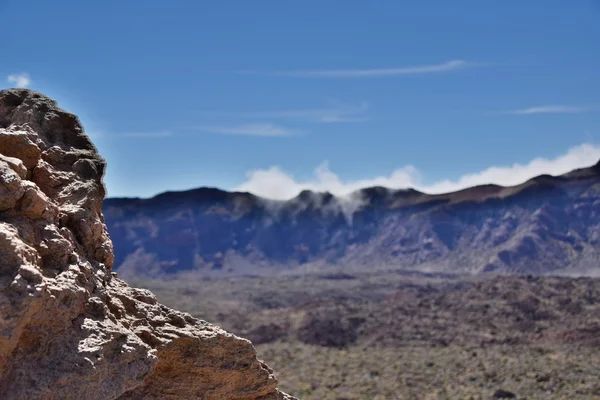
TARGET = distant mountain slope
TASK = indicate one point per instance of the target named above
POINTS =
(545, 225)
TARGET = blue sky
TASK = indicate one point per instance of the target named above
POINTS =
(273, 96)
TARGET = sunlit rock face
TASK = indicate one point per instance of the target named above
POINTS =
(69, 328)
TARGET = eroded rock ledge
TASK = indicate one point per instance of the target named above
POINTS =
(69, 328)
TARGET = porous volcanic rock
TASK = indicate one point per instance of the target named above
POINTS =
(69, 328)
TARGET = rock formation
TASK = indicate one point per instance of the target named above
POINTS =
(69, 328)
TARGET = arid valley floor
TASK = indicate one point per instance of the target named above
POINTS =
(402, 335)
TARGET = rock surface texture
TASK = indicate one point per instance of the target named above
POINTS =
(69, 328)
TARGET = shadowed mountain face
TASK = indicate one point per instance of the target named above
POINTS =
(546, 225)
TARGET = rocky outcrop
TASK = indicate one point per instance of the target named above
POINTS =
(69, 328)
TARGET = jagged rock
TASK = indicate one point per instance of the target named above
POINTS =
(69, 329)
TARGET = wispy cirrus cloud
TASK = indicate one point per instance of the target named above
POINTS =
(553, 109)
(338, 112)
(452, 65)
(21, 80)
(332, 113)
(148, 134)
(95, 134)
(265, 129)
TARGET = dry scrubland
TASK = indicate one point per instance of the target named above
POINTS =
(398, 335)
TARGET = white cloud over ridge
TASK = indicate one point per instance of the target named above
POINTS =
(21, 80)
(274, 183)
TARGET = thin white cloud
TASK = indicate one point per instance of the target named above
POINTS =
(249, 130)
(274, 183)
(21, 80)
(552, 109)
(334, 112)
(452, 65)
(148, 134)
(94, 134)
(337, 112)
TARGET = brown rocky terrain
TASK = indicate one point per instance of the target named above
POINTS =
(69, 328)
(404, 335)
(548, 225)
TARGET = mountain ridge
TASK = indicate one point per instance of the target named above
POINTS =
(579, 173)
(547, 224)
